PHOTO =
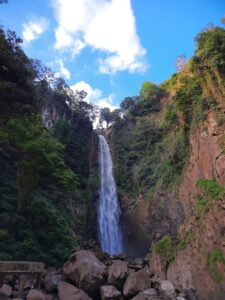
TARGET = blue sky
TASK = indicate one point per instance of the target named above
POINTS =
(110, 47)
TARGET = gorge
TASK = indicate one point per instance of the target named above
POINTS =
(152, 185)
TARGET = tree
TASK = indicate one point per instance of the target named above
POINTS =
(128, 104)
(106, 116)
(116, 116)
(181, 62)
(17, 76)
(151, 91)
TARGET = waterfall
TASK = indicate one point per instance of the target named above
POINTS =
(109, 209)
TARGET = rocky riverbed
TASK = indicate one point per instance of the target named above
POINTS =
(89, 275)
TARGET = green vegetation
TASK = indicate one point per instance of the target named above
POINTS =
(167, 248)
(213, 260)
(211, 191)
(44, 177)
(208, 62)
(164, 248)
(211, 188)
(182, 244)
(151, 144)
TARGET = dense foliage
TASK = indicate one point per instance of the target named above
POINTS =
(151, 143)
(45, 138)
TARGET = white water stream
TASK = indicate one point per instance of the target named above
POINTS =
(109, 209)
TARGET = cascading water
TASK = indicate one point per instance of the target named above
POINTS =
(109, 209)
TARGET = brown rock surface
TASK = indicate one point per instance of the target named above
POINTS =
(118, 273)
(135, 224)
(206, 160)
(205, 234)
(5, 291)
(86, 271)
(110, 292)
(149, 294)
(67, 291)
(137, 282)
(167, 290)
(36, 295)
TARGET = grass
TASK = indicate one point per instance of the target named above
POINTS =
(213, 260)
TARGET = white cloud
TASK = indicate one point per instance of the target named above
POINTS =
(105, 25)
(95, 95)
(33, 29)
(63, 71)
(92, 93)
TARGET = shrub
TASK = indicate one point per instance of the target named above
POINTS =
(213, 259)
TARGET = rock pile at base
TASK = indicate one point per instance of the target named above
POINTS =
(85, 277)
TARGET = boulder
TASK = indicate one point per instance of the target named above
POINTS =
(51, 280)
(36, 295)
(150, 294)
(67, 291)
(5, 291)
(110, 292)
(167, 290)
(118, 273)
(86, 271)
(137, 282)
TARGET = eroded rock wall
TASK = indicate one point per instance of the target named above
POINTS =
(200, 264)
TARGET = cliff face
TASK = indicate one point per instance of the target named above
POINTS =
(200, 265)
(170, 170)
(206, 160)
(196, 259)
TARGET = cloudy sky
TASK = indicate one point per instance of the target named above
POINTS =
(109, 47)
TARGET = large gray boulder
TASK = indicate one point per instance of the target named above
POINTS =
(86, 271)
(137, 282)
(118, 273)
(67, 291)
(36, 295)
(5, 291)
(167, 290)
(149, 294)
(110, 292)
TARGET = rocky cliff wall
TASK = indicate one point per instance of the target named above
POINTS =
(201, 263)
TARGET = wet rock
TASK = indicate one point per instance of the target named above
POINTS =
(51, 280)
(139, 262)
(137, 282)
(110, 292)
(118, 273)
(5, 291)
(120, 256)
(150, 294)
(67, 291)
(167, 290)
(86, 271)
(36, 295)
